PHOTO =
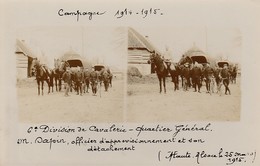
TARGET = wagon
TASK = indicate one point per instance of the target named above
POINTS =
(222, 63)
(99, 67)
(200, 59)
(73, 59)
(194, 55)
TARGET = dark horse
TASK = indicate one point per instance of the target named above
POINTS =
(160, 68)
(184, 60)
(42, 74)
(60, 68)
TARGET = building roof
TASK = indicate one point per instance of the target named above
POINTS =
(138, 41)
(21, 47)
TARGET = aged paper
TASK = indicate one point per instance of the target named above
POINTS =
(109, 108)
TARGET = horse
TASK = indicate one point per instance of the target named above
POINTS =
(51, 78)
(174, 70)
(160, 68)
(59, 69)
(42, 74)
(184, 60)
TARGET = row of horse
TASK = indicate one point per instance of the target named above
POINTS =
(175, 70)
(53, 77)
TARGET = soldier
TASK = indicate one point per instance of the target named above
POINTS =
(110, 76)
(94, 81)
(79, 80)
(217, 78)
(67, 81)
(224, 75)
(196, 77)
(209, 75)
(86, 80)
(186, 76)
(105, 77)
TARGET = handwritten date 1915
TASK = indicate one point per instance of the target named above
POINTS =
(230, 157)
(143, 12)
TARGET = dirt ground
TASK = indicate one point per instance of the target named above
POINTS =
(146, 104)
(55, 107)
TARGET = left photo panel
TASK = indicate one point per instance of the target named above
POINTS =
(71, 74)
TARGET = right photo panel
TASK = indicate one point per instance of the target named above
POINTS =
(183, 74)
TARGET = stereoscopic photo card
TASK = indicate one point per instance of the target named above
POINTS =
(130, 82)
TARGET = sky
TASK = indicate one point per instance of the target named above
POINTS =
(216, 42)
(98, 44)
(108, 45)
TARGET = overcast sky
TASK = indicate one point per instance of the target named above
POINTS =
(99, 44)
(108, 45)
(216, 42)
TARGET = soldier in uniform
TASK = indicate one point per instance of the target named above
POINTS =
(186, 76)
(110, 76)
(67, 81)
(79, 80)
(217, 78)
(209, 75)
(196, 77)
(224, 75)
(94, 81)
(86, 80)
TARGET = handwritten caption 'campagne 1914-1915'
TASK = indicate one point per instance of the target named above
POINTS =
(117, 14)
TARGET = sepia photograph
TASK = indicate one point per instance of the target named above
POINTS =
(70, 74)
(183, 74)
(129, 83)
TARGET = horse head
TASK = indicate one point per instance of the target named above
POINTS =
(185, 59)
(155, 58)
(63, 65)
(36, 63)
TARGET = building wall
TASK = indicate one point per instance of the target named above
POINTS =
(139, 59)
(136, 56)
(21, 66)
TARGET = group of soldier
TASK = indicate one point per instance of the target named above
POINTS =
(194, 76)
(81, 80)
